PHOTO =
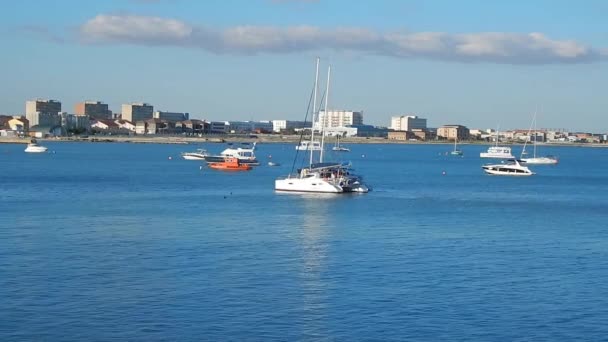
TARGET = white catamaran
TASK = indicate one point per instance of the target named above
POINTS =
(321, 177)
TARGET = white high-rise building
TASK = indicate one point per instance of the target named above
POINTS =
(407, 123)
(339, 118)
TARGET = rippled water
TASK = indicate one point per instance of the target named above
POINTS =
(117, 242)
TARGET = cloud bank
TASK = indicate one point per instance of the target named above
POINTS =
(491, 47)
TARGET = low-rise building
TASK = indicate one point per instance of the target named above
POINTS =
(371, 131)
(19, 124)
(154, 126)
(192, 127)
(218, 127)
(171, 116)
(282, 125)
(424, 134)
(401, 135)
(340, 131)
(125, 125)
(105, 126)
(451, 132)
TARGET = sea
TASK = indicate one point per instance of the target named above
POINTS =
(129, 242)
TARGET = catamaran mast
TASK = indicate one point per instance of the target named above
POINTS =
(314, 110)
(325, 118)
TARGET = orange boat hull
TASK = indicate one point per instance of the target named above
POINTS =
(231, 164)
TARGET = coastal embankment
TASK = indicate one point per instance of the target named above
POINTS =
(260, 138)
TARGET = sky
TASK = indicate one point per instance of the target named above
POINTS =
(482, 64)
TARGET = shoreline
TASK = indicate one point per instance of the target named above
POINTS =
(260, 138)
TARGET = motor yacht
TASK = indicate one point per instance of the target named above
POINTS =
(497, 152)
(510, 169)
(244, 155)
(33, 147)
(309, 146)
(199, 154)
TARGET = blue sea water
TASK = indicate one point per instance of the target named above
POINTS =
(116, 241)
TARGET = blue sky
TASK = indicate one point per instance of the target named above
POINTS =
(476, 63)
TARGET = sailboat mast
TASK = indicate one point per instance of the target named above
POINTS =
(314, 110)
(535, 135)
(325, 118)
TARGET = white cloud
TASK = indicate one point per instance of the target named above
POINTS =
(134, 29)
(494, 47)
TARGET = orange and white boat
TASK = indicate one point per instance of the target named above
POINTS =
(230, 164)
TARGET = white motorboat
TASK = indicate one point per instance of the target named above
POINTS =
(33, 147)
(244, 155)
(509, 169)
(199, 154)
(497, 152)
(309, 146)
(320, 177)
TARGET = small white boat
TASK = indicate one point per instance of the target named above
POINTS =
(309, 146)
(199, 154)
(33, 147)
(271, 163)
(338, 147)
(497, 152)
(511, 169)
(548, 160)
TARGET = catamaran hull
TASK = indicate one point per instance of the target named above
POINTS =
(306, 185)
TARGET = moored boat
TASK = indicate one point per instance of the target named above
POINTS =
(328, 177)
(497, 152)
(199, 154)
(244, 155)
(508, 169)
(230, 164)
(33, 147)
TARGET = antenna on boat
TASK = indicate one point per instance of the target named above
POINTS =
(314, 108)
(325, 114)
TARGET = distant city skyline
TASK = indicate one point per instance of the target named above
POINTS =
(476, 63)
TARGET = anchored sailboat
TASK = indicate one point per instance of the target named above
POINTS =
(546, 160)
(321, 177)
(338, 147)
(456, 151)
